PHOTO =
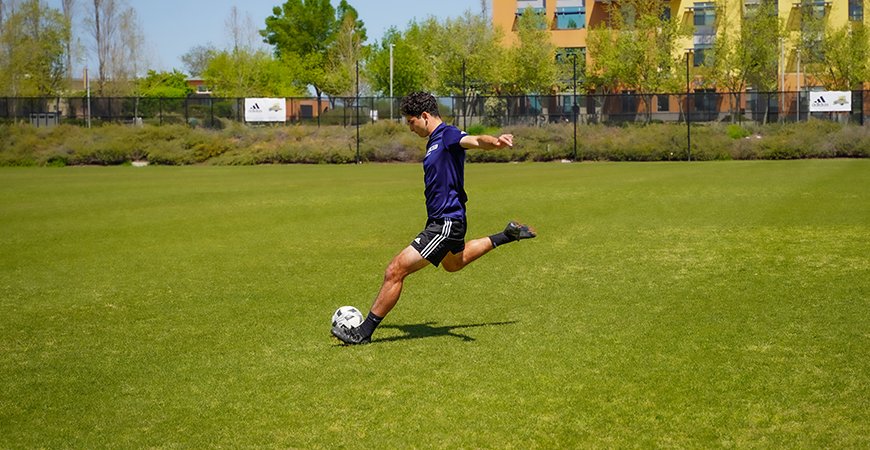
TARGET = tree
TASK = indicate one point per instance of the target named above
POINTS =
(456, 56)
(196, 59)
(344, 55)
(117, 41)
(246, 69)
(32, 51)
(469, 39)
(412, 69)
(639, 50)
(103, 26)
(838, 57)
(303, 32)
(845, 61)
(130, 56)
(3, 7)
(69, 8)
(424, 52)
(746, 50)
(533, 56)
(468, 57)
(606, 69)
(164, 84)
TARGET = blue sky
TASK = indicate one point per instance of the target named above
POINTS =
(171, 28)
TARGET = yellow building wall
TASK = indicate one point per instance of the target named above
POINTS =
(504, 16)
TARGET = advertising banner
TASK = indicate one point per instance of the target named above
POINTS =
(265, 110)
(831, 101)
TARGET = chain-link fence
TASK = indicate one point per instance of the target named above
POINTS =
(490, 111)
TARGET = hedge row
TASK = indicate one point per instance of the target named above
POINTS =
(23, 145)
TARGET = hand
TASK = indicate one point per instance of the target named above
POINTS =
(505, 140)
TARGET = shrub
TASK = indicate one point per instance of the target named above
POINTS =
(386, 141)
(170, 153)
(496, 107)
(848, 142)
(737, 132)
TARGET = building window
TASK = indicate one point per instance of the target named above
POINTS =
(856, 10)
(813, 9)
(705, 100)
(570, 18)
(703, 55)
(307, 111)
(752, 5)
(705, 14)
(629, 102)
(540, 6)
(570, 14)
(664, 103)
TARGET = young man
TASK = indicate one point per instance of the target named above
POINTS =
(443, 239)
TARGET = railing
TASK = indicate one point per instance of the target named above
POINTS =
(698, 106)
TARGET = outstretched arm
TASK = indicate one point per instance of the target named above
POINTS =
(487, 142)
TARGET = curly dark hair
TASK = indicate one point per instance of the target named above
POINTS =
(417, 103)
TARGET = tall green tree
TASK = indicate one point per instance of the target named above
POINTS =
(533, 57)
(606, 68)
(745, 51)
(462, 54)
(845, 61)
(838, 57)
(33, 51)
(428, 52)
(345, 55)
(472, 40)
(303, 32)
(413, 70)
(244, 72)
(164, 84)
(247, 68)
(639, 49)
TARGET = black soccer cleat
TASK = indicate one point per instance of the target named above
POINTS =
(351, 336)
(517, 231)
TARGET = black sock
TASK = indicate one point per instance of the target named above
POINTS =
(499, 239)
(368, 326)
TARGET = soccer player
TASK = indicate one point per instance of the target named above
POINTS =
(443, 239)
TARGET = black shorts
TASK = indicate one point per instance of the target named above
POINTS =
(439, 237)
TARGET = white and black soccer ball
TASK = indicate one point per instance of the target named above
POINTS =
(347, 317)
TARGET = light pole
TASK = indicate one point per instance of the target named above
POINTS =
(782, 77)
(88, 86)
(463, 95)
(798, 101)
(575, 109)
(688, 113)
(357, 112)
(391, 81)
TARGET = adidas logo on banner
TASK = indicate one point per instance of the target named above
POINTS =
(255, 107)
(820, 100)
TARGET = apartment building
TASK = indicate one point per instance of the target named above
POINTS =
(570, 21)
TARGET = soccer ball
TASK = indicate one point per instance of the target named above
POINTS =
(347, 317)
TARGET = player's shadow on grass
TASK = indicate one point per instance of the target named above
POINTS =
(426, 330)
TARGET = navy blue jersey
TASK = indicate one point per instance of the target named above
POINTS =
(444, 174)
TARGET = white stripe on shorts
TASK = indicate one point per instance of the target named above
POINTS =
(445, 233)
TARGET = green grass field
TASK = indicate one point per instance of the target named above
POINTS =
(663, 305)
